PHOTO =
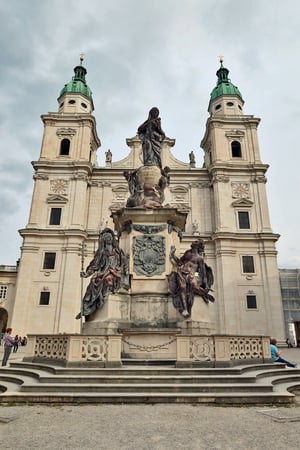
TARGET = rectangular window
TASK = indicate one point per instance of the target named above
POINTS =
(44, 298)
(49, 261)
(55, 216)
(248, 264)
(244, 222)
(251, 302)
(3, 291)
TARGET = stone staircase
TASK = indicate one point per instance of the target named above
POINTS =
(148, 382)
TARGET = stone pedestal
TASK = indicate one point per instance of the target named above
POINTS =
(199, 322)
(144, 315)
(146, 237)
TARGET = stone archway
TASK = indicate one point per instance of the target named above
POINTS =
(3, 320)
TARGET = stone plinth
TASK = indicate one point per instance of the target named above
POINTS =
(124, 311)
(150, 344)
(199, 322)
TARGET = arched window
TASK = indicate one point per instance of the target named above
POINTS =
(236, 151)
(65, 147)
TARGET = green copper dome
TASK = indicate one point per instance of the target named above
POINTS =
(78, 84)
(224, 85)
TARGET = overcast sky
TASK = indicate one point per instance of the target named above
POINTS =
(140, 54)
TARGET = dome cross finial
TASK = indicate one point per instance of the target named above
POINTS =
(81, 57)
(221, 59)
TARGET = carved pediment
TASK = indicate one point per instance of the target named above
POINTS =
(242, 202)
(235, 134)
(119, 194)
(120, 188)
(179, 194)
(57, 199)
(179, 189)
(66, 132)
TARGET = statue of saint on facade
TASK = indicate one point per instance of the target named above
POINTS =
(192, 159)
(106, 269)
(192, 276)
(108, 156)
(152, 136)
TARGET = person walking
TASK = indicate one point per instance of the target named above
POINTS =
(8, 345)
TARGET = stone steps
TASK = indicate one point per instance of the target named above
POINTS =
(145, 389)
(234, 398)
(249, 384)
(143, 370)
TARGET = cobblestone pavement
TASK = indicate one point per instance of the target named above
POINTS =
(153, 427)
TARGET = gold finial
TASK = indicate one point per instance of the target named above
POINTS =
(81, 57)
(221, 59)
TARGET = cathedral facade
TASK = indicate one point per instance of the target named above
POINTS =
(74, 199)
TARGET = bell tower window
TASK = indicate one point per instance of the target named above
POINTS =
(248, 264)
(55, 216)
(49, 261)
(244, 221)
(65, 147)
(236, 151)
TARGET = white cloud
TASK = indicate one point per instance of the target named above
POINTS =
(141, 54)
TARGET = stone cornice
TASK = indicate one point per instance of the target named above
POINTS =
(56, 164)
(35, 232)
(263, 236)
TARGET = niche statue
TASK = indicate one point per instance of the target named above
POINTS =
(192, 276)
(106, 268)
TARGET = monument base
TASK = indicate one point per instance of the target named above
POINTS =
(124, 311)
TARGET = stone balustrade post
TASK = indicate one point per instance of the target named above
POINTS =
(114, 350)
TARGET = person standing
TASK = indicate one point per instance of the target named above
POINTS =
(16, 344)
(289, 344)
(8, 345)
